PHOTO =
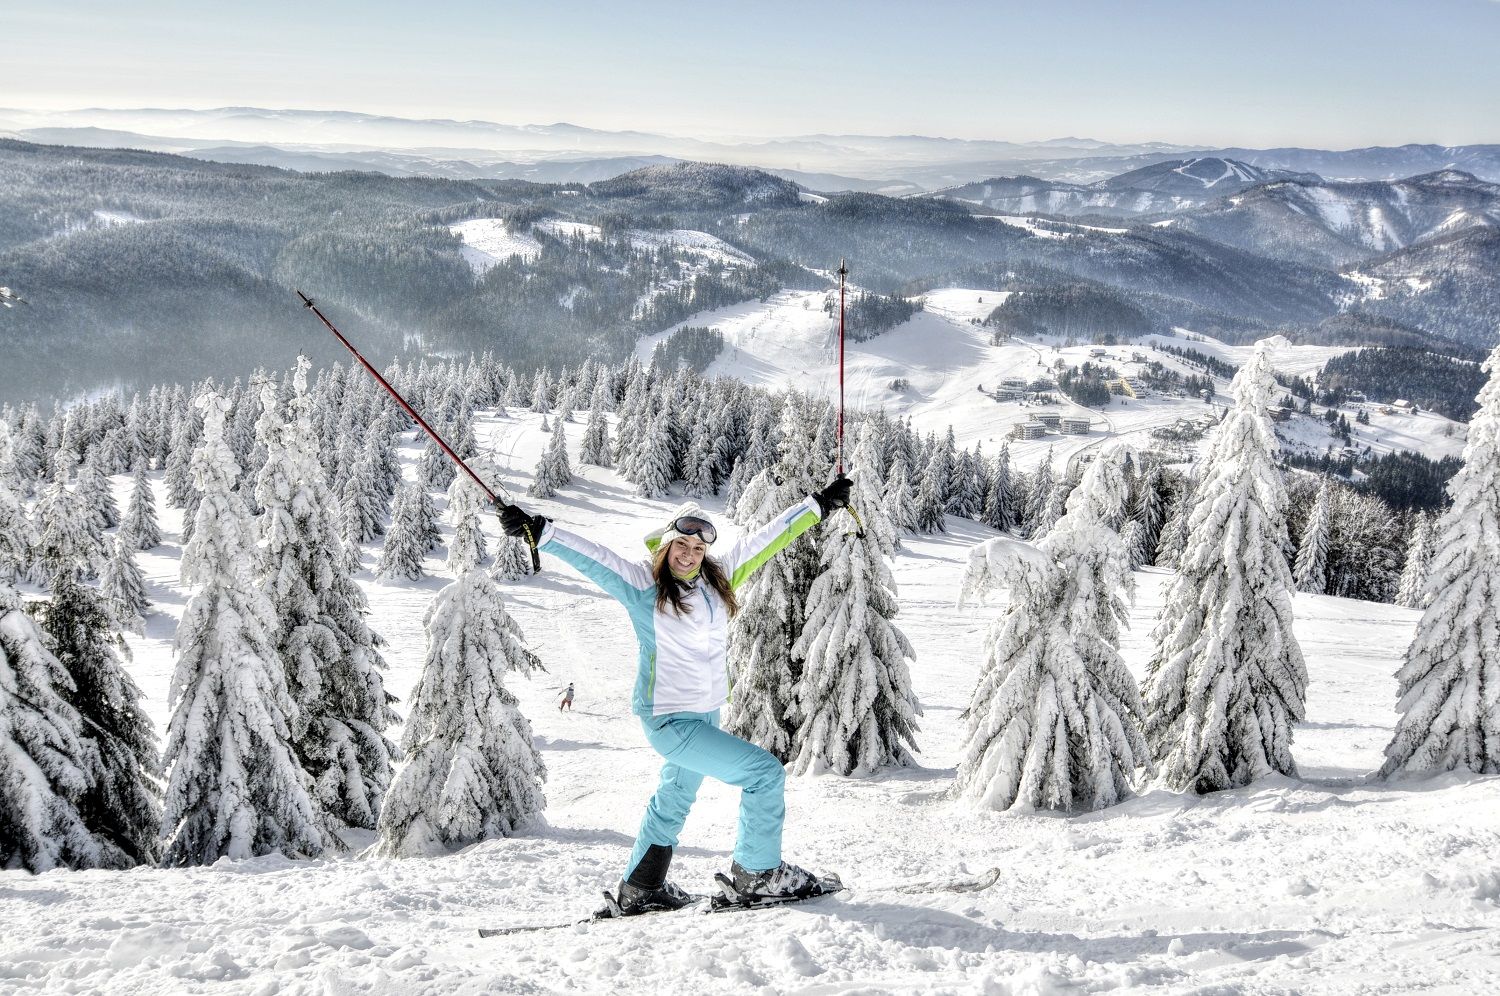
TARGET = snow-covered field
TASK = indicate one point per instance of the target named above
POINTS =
(1331, 884)
(488, 242)
(789, 341)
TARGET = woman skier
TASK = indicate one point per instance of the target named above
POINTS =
(680, 602)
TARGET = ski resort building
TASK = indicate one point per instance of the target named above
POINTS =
(1030, 429)
(1123, 386)
(1075, 426)
(1051, 420)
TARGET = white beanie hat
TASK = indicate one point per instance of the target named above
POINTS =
(666, 534)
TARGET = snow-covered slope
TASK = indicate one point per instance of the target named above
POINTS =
(1331, 884)
(945, 358)
(488, 241)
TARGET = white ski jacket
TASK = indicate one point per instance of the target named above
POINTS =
(683, 666)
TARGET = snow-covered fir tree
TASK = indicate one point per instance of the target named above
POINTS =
(122, 801)
(1174, 532)
(434, 470)
(1148, 509)
(552, 471)
(930, 509)
(594, 448)
(177, 478)
(651, 469)
(1310, 571)
(69, 536)
(16, 534)
(123, 586)
(1226, 680)
(140, 514)
(1038, 517)
(1419, 554)
(235, 787)
(92, 492)
(512, 559)
(47, 761)
(854, 706)
(1450, 682)
(759, 651)
(467, 548)
(1000, 498)
(406, 540)
(361, 503)
(332, 658)
(1055, 720)
(471, 771)
(900, 502)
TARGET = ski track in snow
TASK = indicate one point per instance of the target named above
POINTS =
(1331, 884)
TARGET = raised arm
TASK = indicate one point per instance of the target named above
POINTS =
(749, 554)
(623, 579)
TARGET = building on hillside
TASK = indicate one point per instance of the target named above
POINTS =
(1404, 407)
(1098, 353)
(1279, 413)
(1356, 396)
(1051, 420)
(1075, 426)
(1010, 394)
(1042, 384)
(1014, 383)
(1123, 386)
(1028, 430)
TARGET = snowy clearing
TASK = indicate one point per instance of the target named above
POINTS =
(1330, 884)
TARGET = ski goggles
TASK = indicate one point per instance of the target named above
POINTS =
(692, 525)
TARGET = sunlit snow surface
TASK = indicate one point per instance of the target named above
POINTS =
(1329, 885)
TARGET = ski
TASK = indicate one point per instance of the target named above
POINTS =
(723, 903)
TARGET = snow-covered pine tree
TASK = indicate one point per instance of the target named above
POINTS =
(434, 470)
(930, 513)
(92, 492)
(1450, 683)
(466, 550)
(1310, 569)
(1000, 499)
(16, 534)
(594, 449)
(122, 803)
(1148, 509)
(552, 471)
(541, 393)
(69, 538)
(177, 477)
(471, 771)
(1419, 554)
(1174, 532)
(900, 502)
(140, 515)
(759, 652)
(1226, 679)
(427, 519)
(405, 541)
(651, 469)
(46, 759)
(1055, 720)
(512, 559)
(1039, 500)
(361, 503)
(234, 787)
(854, 705)
(123, 586)
(1133, 542)
(332, 658)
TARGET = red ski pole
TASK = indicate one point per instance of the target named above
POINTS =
(859, 527)
(307, 302)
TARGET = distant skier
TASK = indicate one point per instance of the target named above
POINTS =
(567, 699)
(680, 602)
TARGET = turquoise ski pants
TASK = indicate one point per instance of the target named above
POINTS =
(694, 746)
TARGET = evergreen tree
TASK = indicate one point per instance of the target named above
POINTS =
(594, 449)
(471, 771)
(361, 503)
(1133, 544)
(512, 559)
(122, 803)
(651, 470)
(466, 550)
(1419, 554)
(931, 516)
(1174, 533)
(854, 706)
(1310, 570)
(70, 538)
(177, 477)
(1055, 720)
(900, 502)
(140, 515)
(1450, 682)
(1039, 500)
(552, 471)
(235, 787)
(47, 761)
(124, 587)
(405, 542)
(434, 470)
(1226, 679)
(1149, 510)
(427, 519)
(1000, 499)
(332, 659)
(16, 535)
(93, 494)
(760, 634)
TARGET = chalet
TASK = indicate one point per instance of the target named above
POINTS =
(1404, 407)
(1279, 413)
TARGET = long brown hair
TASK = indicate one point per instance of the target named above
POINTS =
(669, 589)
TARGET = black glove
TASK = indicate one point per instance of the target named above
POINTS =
(515, 521)
(836, 495)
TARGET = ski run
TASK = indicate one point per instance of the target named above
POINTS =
(1299, 868)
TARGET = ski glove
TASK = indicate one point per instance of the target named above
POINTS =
(836, 495)
(515, 521)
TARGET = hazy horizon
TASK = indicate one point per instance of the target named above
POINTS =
(1327, 74)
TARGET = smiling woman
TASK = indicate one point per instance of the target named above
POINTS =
(679, 605)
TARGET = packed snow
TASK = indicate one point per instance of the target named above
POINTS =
(1331, 883)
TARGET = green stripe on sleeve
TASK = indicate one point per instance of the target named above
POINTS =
(799, 525)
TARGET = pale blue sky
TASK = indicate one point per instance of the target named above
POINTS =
(1329, 73)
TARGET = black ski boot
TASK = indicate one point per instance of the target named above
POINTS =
(785, 881)
(647, 889)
